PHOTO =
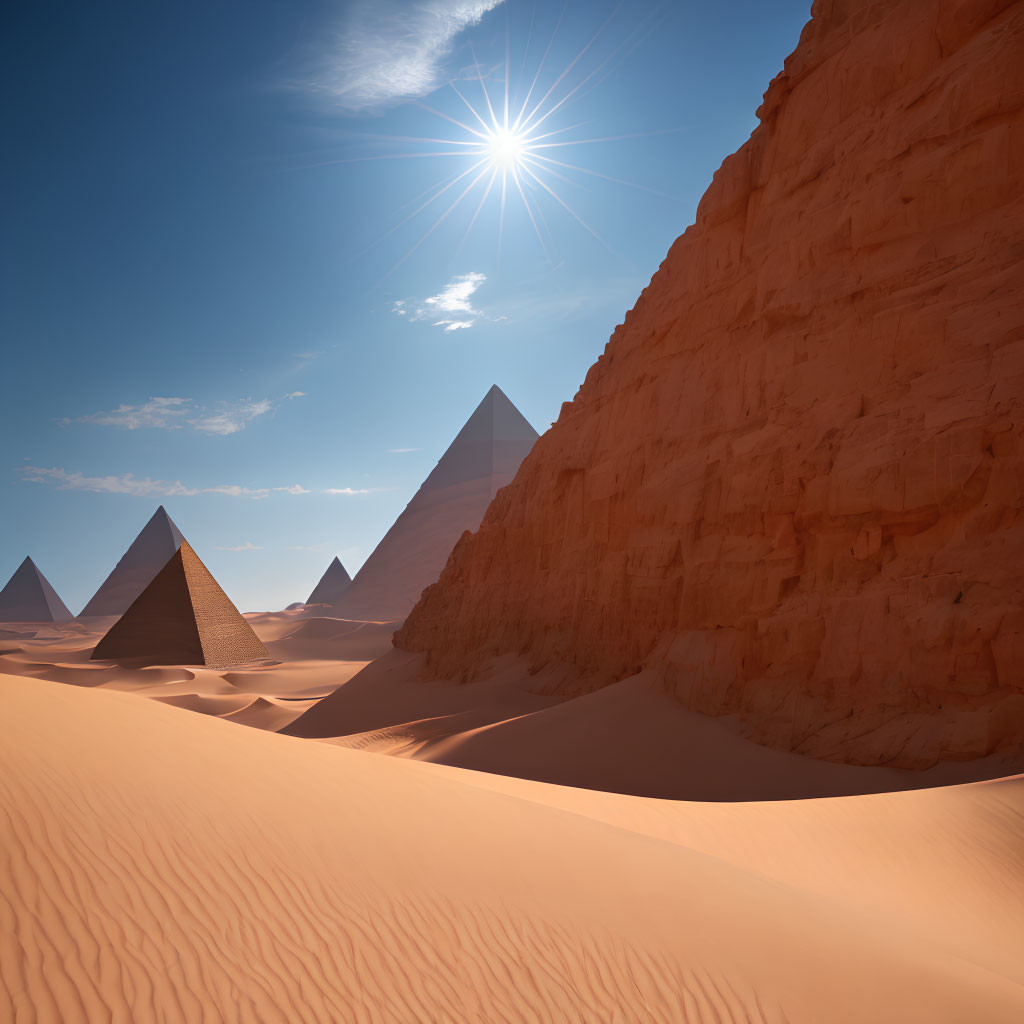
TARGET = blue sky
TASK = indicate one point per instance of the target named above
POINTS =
(212, 297)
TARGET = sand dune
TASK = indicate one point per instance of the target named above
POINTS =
(629, 738)
(263, 695)
(281, 880)
(323, 637)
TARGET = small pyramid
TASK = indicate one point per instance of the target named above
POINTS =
(482, 459)
(182, 618)
(148, 554)
(28, 597)
(334, 582)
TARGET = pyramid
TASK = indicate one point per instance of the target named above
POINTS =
(182, 618)
(483, 458)
(156, 542)
(334, 582)
(28, 597)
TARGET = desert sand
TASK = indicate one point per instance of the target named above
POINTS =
(274, 879)
(308, 659)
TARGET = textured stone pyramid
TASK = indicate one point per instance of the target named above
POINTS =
(182, 618)
(792, 487)
(334, 582)
(28, 597)
(148, 554)
(482, 459)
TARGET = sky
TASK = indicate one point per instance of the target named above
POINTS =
(256, 266)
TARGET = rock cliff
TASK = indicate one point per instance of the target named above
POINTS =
(793, 484)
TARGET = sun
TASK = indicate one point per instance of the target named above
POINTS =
(507, 139)
(506, 149)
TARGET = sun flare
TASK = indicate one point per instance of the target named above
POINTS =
(506, 149)
(508, 135)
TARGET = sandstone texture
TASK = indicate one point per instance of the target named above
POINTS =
(182, 618)
(793, 484)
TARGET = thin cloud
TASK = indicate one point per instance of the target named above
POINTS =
(348, 490)
(293, 489)
(247, 546)
(144, 487)
(388, 52)
(157, 413)
(453, 304)
(222, 418)
(402, 451)
(232, 417)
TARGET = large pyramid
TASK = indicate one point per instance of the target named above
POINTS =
(483, 458)
(334, 582)
(792, 487)
(28, 597)
(148, 554)
(182, 618)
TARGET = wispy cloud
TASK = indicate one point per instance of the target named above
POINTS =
(451, 308)
(389, 51)
(222, 418)
(349, 490)
(157, 413)
(247, 546)
(402, 451)
(231, 417)
(144, 487)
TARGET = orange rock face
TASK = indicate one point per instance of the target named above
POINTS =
(793, 484)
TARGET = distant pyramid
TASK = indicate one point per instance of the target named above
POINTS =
(483, 458)
(182, 618)
(334, 582)
(28, 597)
(148, 554)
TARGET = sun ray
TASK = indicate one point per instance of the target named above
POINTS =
(540, 67)
(483, 124)
(604, 138)
(568, 68)
(605, 177)
(561, 202)
(508, 43)
(487, 95)
(438, 189)
(447, 117)
(529, 211)
(501, 214)
(476, 212)
(437, 223)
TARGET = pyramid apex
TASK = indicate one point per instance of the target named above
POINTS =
(148, 553)
(29, 597)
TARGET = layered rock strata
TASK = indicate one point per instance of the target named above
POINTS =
(793, 484)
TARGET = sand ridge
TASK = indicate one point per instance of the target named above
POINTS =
(281, 880)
